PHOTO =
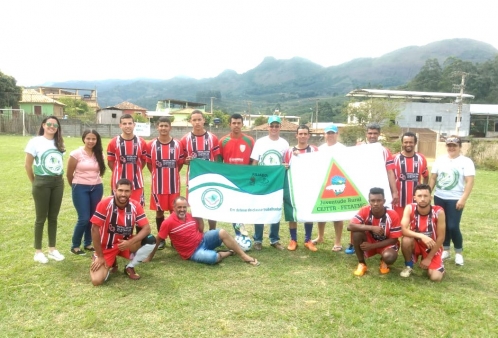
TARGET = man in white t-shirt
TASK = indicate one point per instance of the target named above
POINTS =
(331, 135)
(269, 150)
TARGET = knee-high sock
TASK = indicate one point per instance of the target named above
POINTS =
(293, 234)
(141, 254)
(159, 221)
(308, 229)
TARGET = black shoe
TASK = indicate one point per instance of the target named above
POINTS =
(78, 252)
(161, 246)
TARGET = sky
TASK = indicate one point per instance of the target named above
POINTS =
(60, 40)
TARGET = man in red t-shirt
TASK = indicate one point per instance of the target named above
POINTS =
(424, 228)
(410, 169)
(236, 148)
(375, 230)
(200, 144)
(187, 237)
(126, 157)
(164, 161)
(112, 234)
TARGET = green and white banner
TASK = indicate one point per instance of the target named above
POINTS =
(236, 193)
(331, 185)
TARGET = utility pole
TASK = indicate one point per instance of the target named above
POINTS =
(459, 100)
(212, 98)
(249, 111)
(316, 115)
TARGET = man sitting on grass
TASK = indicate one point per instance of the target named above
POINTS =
(375, 230)
(423, 228)
(187, 237)
(112, 234)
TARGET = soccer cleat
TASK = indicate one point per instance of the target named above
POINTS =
(310, 246)
(40, 258)
(292, 245)
(360, 269)
(407, 271)
(130, 272)
(349, 250)
(383, 268)
(241, 228)
(459, 259)
(161, 245)
(56, 255)
(445, 255)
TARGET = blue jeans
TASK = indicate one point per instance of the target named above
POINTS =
(85, 200)
(205, 252)
(453, 217)
(258, 233)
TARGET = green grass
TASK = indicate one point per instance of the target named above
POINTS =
(292, 294)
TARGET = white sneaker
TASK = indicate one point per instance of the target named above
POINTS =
(445, 255)
(458, 259)
(407, 271)
(41, 258)
(56, 255)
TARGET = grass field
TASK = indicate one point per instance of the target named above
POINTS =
(292, 294)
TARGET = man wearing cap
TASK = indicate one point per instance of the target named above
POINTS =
(269, 150)
(331, 135)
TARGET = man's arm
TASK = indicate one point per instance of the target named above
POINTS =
(440, 234)
(111, 164)
(97, 245)
(392, 184)
(382, 244)
(134, 243)
(405, 228)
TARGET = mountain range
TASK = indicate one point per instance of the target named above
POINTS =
(274, 81)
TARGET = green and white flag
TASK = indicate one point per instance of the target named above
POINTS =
(236, 193)
(332, 184)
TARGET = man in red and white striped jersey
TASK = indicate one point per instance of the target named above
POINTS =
(126, 157)
(164, 161)
(200, 144)
(410, 169)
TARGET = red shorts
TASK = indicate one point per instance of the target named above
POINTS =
(163, 202)
(399, 210)
(379, 251)
(436, 262)
(138, 195)
(111, 254)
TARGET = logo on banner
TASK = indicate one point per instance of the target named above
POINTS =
(338, 193)
(212, 198)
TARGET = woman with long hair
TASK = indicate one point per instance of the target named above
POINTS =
(44, 167)
(85, 169)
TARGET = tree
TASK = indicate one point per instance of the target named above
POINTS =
(428, 79)
(10, 93)
(382, 111)
(77, 109)
(260, 120)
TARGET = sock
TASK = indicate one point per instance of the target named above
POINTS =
(293, 234)
(237, 232)
(410, 264)
(141, 254)
(308, 229)
(159, 221)
(362, 261)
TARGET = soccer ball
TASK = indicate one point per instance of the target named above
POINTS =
(244, 242)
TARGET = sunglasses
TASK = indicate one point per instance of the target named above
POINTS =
(275, 126)
(50, 124)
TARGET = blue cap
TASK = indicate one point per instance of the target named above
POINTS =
(332, 128)
(274, 118)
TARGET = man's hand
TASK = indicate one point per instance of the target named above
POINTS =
(365, 246)
(424, 263)
(97, 263)
(429, 242)
(379, 231)
(188, 159)
(395, 196)
(124, 244)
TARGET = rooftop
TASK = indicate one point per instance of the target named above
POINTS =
(402, 94)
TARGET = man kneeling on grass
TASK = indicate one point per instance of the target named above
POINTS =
(187, 237)
(112, 234)
(375, 230)
(423, 229)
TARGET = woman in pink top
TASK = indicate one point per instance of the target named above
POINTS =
(85, 169)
